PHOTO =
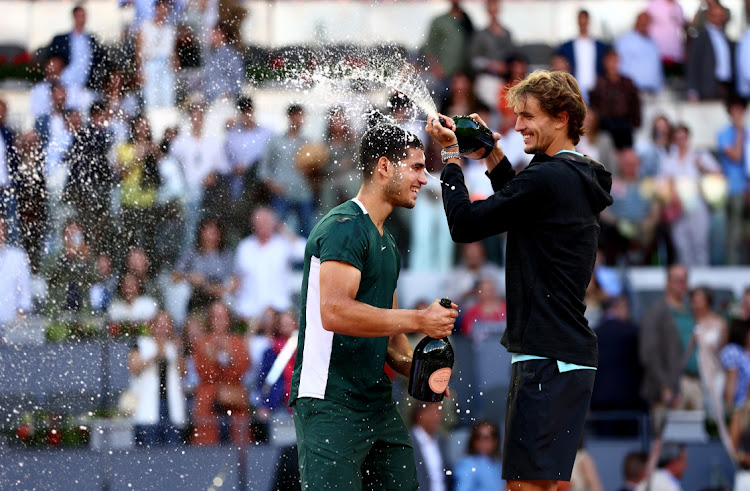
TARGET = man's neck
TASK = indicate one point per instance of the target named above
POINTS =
(376, 206)
(558, 145)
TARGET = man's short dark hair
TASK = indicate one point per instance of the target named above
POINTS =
(634, 465)
(385, 140)
(76, 8)
(670, 452)
(294, 109)
(245, 104)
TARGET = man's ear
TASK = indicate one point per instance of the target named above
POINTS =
(382, 166)
(561, 119)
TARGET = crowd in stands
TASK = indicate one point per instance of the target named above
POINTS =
(187, 241)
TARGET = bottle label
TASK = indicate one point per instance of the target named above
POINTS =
(439, 379)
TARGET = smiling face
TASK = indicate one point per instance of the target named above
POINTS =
(407, 177)
(537, 127)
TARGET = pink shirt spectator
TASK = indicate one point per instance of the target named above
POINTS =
(667, 29)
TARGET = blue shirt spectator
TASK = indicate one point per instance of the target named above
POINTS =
(640, 60)
(223, 75)
(735, 359)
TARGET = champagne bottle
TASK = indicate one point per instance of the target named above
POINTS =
(431, 367)
(472, 136)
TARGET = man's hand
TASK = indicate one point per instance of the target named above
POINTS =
(497, 154)
(442, 132)
(437, 321)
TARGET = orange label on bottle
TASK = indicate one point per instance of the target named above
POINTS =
(439, 379)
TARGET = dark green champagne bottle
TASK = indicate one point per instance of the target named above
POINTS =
(431, 367)
(472, 136)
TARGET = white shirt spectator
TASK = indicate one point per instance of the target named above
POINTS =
(742, 56)
(15, 287)
(662, 480)
(146, 384)
(584, 50)
(264, 273)
(198, 158)
(40, 99)
(640, 61)
(246, 146)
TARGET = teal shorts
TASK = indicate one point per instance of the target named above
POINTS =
(342, 448)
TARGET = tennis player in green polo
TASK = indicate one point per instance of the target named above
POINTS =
(350, 435)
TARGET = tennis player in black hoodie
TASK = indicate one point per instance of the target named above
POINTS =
(551, 213)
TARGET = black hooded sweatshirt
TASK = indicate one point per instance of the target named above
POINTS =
(551, 213)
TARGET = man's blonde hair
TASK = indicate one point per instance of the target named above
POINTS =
(557, 92)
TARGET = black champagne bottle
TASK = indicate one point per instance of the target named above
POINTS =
(472, 136)
(431, 367)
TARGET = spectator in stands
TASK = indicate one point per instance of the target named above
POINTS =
(131, 309)
(616, 99)
(742, 64)
(480, 469)
(193, 330)
(156, 59)
(157, 366)
(41, 92)
(223, 72)
(586, 55)
(207, 267)
(90, 180)
(619, 375)
(221, 359)
(684, 166)
(667, 28)
(71, 274)
(271, 396)
(430, 454)
(103, 291)
(55, 136)
(710, 73)
(735, 359)
(665, 332)
(341, 179)
(289, 186)
(201, 157)
(84, 60)
(629, 225)
(461, 284)
(488, 51)
(262, 265)
(139, 180)
(448, 40)
(138, 262)
(596, 143)
(633, 470)
(15, 287)
(710, 336)
(246, 144)
(487, 315)
(31, 195)
(673, 462)
(122, 104)
(653, 151)
(639, 55)
(8, 171)
(732, 141)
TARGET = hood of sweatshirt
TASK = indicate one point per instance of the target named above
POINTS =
(596, 179)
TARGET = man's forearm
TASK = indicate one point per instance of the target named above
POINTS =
(354, 318)
(400, 354)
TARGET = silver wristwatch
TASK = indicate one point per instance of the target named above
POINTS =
(444, 155)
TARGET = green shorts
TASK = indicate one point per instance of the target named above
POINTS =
(342, 448)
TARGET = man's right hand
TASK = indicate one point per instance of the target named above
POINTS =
(437, 321)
